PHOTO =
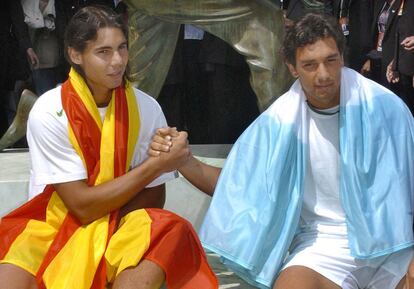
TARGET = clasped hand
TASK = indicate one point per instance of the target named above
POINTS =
(170, 147)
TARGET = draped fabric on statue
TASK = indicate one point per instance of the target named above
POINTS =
(254, 28)
(256, 207)
(46, 240)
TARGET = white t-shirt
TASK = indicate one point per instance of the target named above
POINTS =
(322, 210)
(322, 243)
(53, 158)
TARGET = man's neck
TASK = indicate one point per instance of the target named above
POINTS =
(102, 101)
(102, 96)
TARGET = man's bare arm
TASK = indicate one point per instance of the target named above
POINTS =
(200, 175)
(91, 203)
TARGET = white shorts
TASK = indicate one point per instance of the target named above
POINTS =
(330, 256)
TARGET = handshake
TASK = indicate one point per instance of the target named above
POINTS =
(170, 148)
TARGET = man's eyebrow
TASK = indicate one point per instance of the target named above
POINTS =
(103, 47)
(110, 47)
(333, 55)
(336, 54)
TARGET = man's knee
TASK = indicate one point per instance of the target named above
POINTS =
(163, 217)
(304, 278)
(14, 277)
(180, 225)
(144, 276)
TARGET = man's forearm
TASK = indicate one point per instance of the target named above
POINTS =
(91, 203)
(201, 175)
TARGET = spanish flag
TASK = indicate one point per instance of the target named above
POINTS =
(43, 238)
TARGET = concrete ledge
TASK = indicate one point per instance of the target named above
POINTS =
(14, 179)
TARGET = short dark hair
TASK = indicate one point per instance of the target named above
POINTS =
(311, 28)
(84, 25)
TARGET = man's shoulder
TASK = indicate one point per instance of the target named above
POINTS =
(285, 105)
(144, 100)
(357, 90)
(47, 114)
(282, 112)
(357, 87)
(49, 103)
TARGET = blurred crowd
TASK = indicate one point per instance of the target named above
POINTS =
(207, 90)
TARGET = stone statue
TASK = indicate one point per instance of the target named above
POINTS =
(18, 127)
(253, 27)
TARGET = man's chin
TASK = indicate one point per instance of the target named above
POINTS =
(323, 92)
(116, 84)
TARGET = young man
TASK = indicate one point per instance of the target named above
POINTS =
(87, 141)
(317, 193)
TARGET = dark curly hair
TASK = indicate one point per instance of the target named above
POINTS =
(84, 25)
(311, 28)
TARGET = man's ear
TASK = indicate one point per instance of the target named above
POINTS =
(75, 56)
(292, 70)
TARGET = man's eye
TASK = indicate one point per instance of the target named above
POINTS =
(105, 51)
(309, 65)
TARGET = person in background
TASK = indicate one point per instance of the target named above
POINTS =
(355, 18)
(401, 69)
(15, 50)
(382, 41)
(40, 17)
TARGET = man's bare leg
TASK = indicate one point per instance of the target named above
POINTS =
(13, 277)
(147, 275)
(303, 278)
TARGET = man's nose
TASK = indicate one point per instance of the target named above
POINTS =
(322, 72)
(116, 58)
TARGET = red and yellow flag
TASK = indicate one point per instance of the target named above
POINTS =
(43, 238)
